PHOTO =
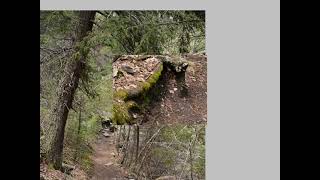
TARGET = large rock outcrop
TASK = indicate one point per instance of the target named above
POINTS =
(134, 77)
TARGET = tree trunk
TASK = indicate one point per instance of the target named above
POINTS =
(184, 41)
(119, 136)
(181, 83)
(66, 91)
(137, 145)
(126, 146)
(133, 146)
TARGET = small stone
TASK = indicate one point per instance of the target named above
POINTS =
(119, 88)
(106, 134)
(104, 130)
(108, 164)
(140, 79)
(133, 85)
(134, 115)
(115, 72)
(175, 89)
(128, 69)
(171, 91)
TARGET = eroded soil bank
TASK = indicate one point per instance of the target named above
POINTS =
(170, 107)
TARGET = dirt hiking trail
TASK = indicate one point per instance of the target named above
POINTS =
(106, 166)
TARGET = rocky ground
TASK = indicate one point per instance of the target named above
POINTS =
(47, 173)
(128, 71)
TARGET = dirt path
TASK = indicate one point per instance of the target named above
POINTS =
(104, 158)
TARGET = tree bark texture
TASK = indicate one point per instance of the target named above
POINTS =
(137, 145)
(66, 91)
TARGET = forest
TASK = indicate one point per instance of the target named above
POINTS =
(123, 94)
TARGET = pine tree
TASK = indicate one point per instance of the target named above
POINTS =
(66, 90)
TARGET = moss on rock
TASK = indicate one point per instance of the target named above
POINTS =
(120, 94)
(123, 103)
(120, 114)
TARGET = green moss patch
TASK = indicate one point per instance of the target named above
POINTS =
(123, 102)
(120, 113)
(120, 94)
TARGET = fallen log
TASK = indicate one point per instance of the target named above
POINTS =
(143, 73)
